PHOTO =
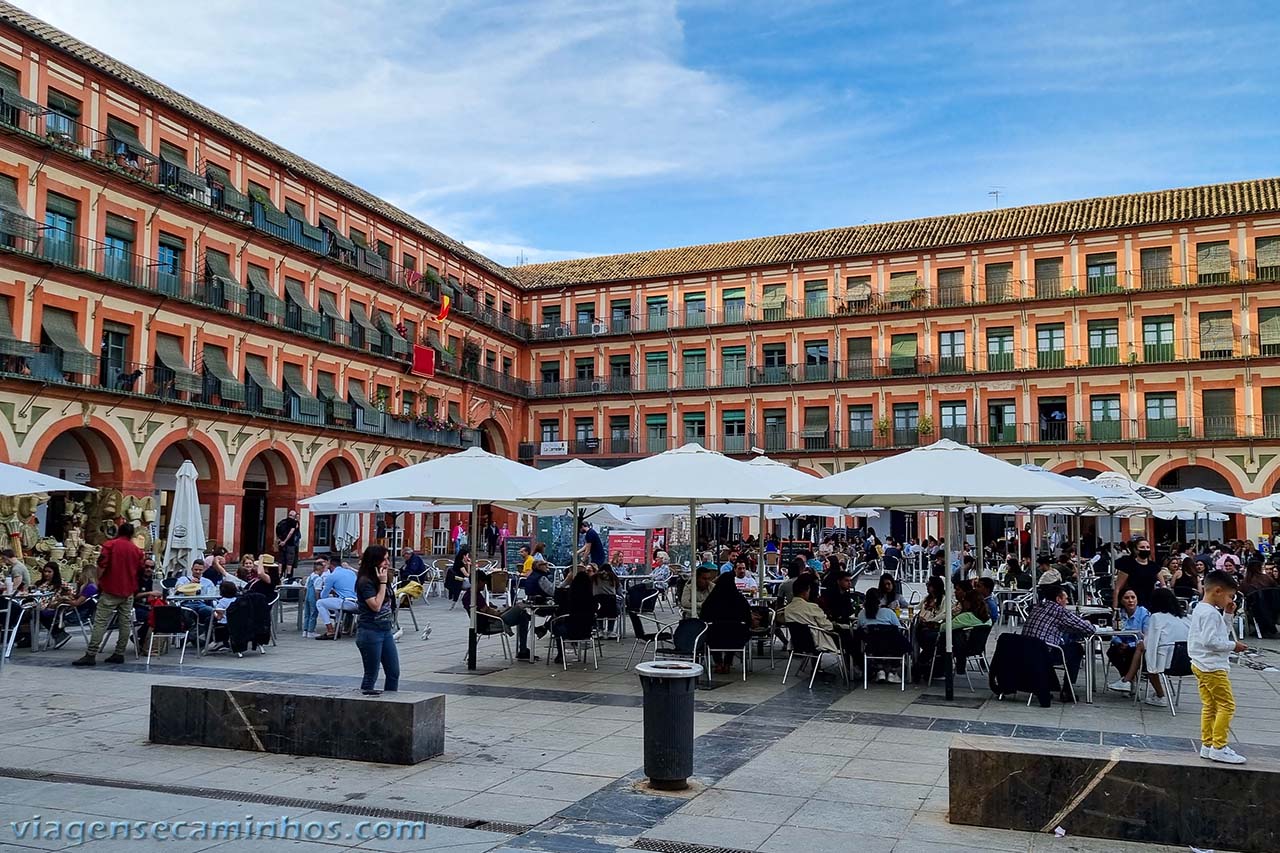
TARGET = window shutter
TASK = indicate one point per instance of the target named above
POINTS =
(904, 346)
(60, 327)
(1267, 252)
(169, 354)
(308, 403)
(901, 286)
(121, 228)
(1218, 403)
(215, 364)
(1216, 332)
(1269, 326)
(816, 418)
(309, 316)
(272, 396)
(1213, 258)
(951, 285)
(858, 288)
(10, 344)
(259, 284)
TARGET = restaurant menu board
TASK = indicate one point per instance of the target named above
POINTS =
(629, 548)
(791, 548)
(556, 532)
(511, 551)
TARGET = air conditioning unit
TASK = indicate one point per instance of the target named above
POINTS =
(599, 327)
(599, 385)
(562, 331)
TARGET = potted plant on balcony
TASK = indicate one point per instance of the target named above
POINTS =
(883, 425)
(925, 425)
(1080, 431)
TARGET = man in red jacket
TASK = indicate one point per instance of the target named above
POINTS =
(119, 566)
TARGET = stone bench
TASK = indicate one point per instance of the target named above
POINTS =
(394, 728)
(1115, 793)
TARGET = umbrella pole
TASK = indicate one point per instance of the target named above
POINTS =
(573, 563)
(977, 538)
(475, 587)
(950, 596)
(760, 569)
(693, 547)
(1079, 563)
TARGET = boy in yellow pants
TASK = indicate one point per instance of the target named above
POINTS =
(1209, 644)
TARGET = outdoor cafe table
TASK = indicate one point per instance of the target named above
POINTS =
(1095, 643)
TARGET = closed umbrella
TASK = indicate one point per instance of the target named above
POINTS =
(185, 539)
(944, 472)
(346, 532)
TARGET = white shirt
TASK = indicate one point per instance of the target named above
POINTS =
(746, 583)
(1209, 639)
(1163, 629)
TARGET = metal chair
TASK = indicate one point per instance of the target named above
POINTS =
(580, 637)
(803, 646)
(84, 621)
(488, 625)
(685, 642)
(169, 623)
(648, 630)
(885, 642)
(968, 643)
(340, 618)
(727, 637)
(762, 634)
(1179, 667)
(1057, 651)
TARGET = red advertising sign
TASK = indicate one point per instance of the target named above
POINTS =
(629, 548)
(424, 361)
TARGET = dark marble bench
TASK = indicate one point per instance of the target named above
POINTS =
(1116, 793)
(394, 728)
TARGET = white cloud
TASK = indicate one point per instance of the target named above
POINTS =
(442, 104)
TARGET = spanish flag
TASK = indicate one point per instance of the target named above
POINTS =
(445, 302)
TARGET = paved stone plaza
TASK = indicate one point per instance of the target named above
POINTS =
(541, 759)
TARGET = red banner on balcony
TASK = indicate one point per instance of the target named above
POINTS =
(424, 361)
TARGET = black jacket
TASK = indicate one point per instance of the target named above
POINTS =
(248, 622)
(1022, 664)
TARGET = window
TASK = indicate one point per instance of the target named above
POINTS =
(817, 428)
(1213, 262)
(549, 430)
(695, 368)
(117, 248)
(857, 290)
(620, 373)
(902, 288)
(1051, 344)
(408, 261)
(490, 359)
(902, 354)
(1002, 423)
(1271, 411)
(655, 427)
(357, 236)
(170, 264)
(861, 427)
(114, 370)
(619, 434)
(620, 315)
(1219, 408)
(734, 431)
(1104, 342)
(382, 397)
(951, 352)
(815, 298)
(1269, 331)
(773, 302)
(858, 363)
(775, 363)
(733, 366)
(1162, 415)
(775, 429)
(1266, 253)
(695, 309)
(61, 123)
(655, 371)
(999, 279)
(1104, 417)
(257, 297)
(1053, 418)
(906, 424)
(455, 413)
(584, 433)
(586, 316)
(550, 373)
(550, 319)
(1217, 334)
(734, 305)
(1100, 272)
(410, 331)
(384, 250)
(408, 403)
(506, 365)
(1049, 278)
(951, 286)
(1157, 267)
(953, 420)
(506, 309)
(1157, 339)
(656, 313)
(695, 428)
(817, 361)
(584, 374)
(1000, 348)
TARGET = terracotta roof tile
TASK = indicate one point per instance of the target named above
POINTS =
(180, 103)
(913, 235)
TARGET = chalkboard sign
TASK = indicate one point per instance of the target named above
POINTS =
(511, 552)
(792, 548)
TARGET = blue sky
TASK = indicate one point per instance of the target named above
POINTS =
(553, 129)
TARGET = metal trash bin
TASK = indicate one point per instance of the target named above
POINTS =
(668, 722)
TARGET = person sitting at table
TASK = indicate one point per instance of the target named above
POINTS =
(414, 566)
(16, 570)
(1050, 621)
(971, 608)
(266, 577)
(513, 617)
(836, 599)
(703, 578)
(724, 605)
(578, 613)
(987, 586)
(933, 614)
(1166, 626)
(801, 611)
(525, 558)
(604, 587)
(1017, 574)
(457, 578)
(215, 565)
(742, 577)
(1261, 608)
(338, 595)
(874, 615)
(228, 592)
(77, 596)
(1125, 653)
(196, 583)
(1188, 577)
(889, 594)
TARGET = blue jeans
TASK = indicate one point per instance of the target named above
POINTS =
(378, 648)
(309, 610)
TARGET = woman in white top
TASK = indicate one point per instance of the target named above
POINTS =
(1166, 626)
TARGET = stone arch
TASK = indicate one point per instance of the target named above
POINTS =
(391, 462)
(168, 456)
(1207, 470)
(104, 450)
(493, 438)
(1087, 469)
(197, 446)
(282, 468)
(270, 479)
(344, 469)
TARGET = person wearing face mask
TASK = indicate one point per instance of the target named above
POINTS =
(1138, 573)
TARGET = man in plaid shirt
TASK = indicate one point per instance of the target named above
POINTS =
(1050, 620)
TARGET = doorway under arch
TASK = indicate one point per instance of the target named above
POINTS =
(269, 482)
(492, 438)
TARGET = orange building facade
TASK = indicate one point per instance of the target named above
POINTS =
(175, 287)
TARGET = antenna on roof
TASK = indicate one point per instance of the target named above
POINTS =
(995, 192)
(521, 259)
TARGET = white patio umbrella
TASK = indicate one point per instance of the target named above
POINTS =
(1213, 501)
(687, 475)
(16, 480)
(473, 477)
(346, 532)
(1264, 507)
(184, 540)
(943, 472)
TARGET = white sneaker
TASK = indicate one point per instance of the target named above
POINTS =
(894, 678)
(1226, 755)
(881, 677)
(398, 634)
(1206, 751)
(426, 633)
(1155, 701)
(1120, 686)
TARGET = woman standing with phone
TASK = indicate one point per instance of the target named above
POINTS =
(375, 622)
